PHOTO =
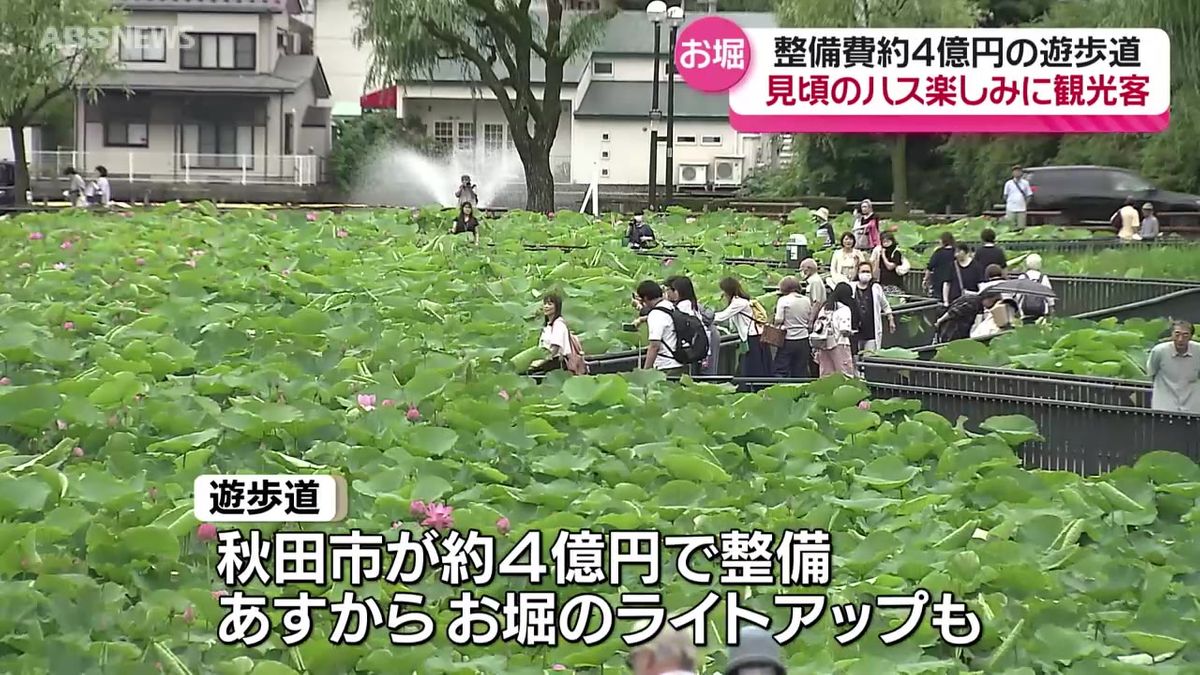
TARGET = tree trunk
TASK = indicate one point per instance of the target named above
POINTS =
(20, 164)
(900, 175)
(539, 181)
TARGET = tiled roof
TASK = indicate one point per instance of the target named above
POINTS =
(222, 6)
(290, 73)
(632, 100)
(632, 33)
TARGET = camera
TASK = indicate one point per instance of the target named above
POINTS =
(629, 327)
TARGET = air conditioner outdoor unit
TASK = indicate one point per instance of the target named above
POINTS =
(727, 171)
(693, 175)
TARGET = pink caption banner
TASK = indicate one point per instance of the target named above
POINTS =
(997, 81)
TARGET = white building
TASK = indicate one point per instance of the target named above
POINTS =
(605, 128)
(221, 91)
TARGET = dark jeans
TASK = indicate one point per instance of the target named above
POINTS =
(793, 359)
(674, 372)
(756, 362)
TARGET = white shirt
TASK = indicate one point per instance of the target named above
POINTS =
(844, 266)
(104, 189)
(793, 313)
(1036, 275)
(1016, 195)
(556, 334)
(841, 323)
(1129, 222)
(662, 328)
(741, 316)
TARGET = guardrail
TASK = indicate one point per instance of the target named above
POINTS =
(1080, 295)
(1083, 438)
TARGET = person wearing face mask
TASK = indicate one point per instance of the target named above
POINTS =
(873, 310)
(866, 226)
(890, 265)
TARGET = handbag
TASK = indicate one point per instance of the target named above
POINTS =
(773, 335)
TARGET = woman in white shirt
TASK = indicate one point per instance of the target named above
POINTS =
(756, 361)
(103, 191)
(835, 323)
(556, 338)
(845, 261)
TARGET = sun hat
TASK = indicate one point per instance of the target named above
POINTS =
(822, 213)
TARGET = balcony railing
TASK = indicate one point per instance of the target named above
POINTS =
(167, 167)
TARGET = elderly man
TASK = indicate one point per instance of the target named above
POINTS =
(793, 314)
(1175, 369)
(672, 652)
(815, 286)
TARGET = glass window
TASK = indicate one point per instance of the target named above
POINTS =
(602, 68)
(217, 52)
(493, 139)
(1130, 183)
(208, 51)
(466, 135)
(710, 140)
(443, 134)
(243, 58)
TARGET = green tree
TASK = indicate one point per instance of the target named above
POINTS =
(881, 14)
(50, 49)
(358, 140)
(502, 42)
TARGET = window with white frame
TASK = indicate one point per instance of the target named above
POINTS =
(602, 68)
(143, 45)
(224, 145)
(126, 134)
(217, 51)
(443, 135)
(466, 136)
(710, 140)
(493, 140)
(685, 140)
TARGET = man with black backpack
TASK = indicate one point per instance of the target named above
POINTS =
(677, 339)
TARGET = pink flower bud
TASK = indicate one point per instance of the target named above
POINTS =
(864, 405)
(413, 414)
(189, 615)
(219, 593)
(36, 236)
(140, 262)
(417, 507)
(4, 381)
(68, 325)
(503, 526)
(66, 245)
(206, 532)
(78, 451)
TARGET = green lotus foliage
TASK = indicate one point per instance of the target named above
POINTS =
(158, 371)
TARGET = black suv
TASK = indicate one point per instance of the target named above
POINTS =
(1094, 193)
(8, 183)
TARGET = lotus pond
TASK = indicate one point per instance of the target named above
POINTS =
(161, 346)
(1106, 348)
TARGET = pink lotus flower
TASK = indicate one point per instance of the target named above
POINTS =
(66, 245)
(68, 325)
(864, 405)
(417, 508)
(504, 394)
(366, 401)
(206, 532)
(311, 216)
(413, 414)
(140, 261)
(342, 234)
(667, 262)
(189, 615)
(190, 262)
(503, 526)
(60, 266)
(558, 666)
(439, 517)
(36, 236)
(4, 381)
(60, 424)
(387, 403)
(219, 593)
(78, 451)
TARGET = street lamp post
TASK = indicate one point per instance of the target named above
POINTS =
(656, 11)
(674, 19)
